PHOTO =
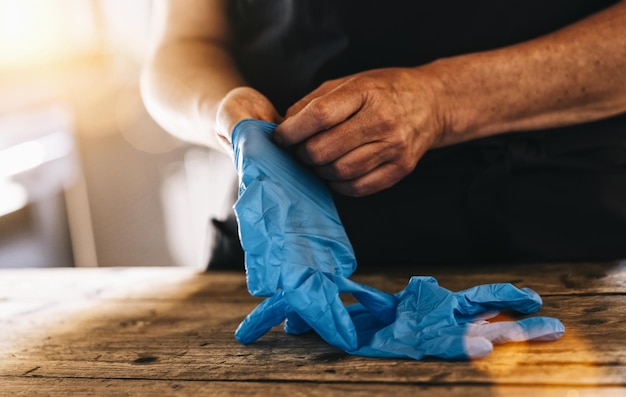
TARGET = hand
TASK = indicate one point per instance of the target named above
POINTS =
(296, 249)
(365, 132)
(433, 321)
(239, 104)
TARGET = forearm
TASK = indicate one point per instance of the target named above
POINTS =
(575, 75)
(183, 84)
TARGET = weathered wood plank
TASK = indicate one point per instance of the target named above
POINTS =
(138, 388)
(547, 279)
(181, 283)
(193, 340)
(126, 331)
(171, 283)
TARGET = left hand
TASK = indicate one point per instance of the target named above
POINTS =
(239, 104)
(364, 133)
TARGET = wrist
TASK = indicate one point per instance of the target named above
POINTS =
(464, 101)
(207, 113)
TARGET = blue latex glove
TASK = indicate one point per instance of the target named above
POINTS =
(298, 254)
(296, 250)
(433, 321)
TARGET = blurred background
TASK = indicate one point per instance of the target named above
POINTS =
(86, 177)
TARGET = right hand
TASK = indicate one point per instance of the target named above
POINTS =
(365, 132)
(242, 103)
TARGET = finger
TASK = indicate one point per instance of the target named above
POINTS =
(317, 301)
(382, 177)
(318, 115)
(457, 347)
(329, 145)
(387, 343)
(355, 164)
(320, 91)
(381, 304)
(528, 329)
(503, 296)
(264, 317)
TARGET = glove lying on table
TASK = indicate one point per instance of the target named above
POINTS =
(433, 321)
(298, 255)
(296, 249)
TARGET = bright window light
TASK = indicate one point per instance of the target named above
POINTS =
(13, 197)
(31, 154)
(36, 31)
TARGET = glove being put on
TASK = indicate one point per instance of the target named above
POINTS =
(296, 250)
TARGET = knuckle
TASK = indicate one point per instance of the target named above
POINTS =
(365, 82)
(295, 108)
(359, 189)
(328, 83)
(342, 170)
(404, 166)
(386, 120)
(320, 111)
(356, 188)
(314, 153)
(392, 149)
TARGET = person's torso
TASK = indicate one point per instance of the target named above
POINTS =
(507, 196)
(286, 48)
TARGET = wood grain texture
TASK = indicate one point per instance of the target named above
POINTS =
(36, 387)
(133, 331)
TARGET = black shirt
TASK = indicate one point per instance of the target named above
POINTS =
(544, 195)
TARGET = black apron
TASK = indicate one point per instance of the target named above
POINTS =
(555, 195)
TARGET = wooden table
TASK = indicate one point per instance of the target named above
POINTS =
(169, 331)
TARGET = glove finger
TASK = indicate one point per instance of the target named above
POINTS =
(452, 346)
(264, 317)
(457, 347)
(490, 297)
(381, 304)
(528, 329)
(295, 325)
(316, 300)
